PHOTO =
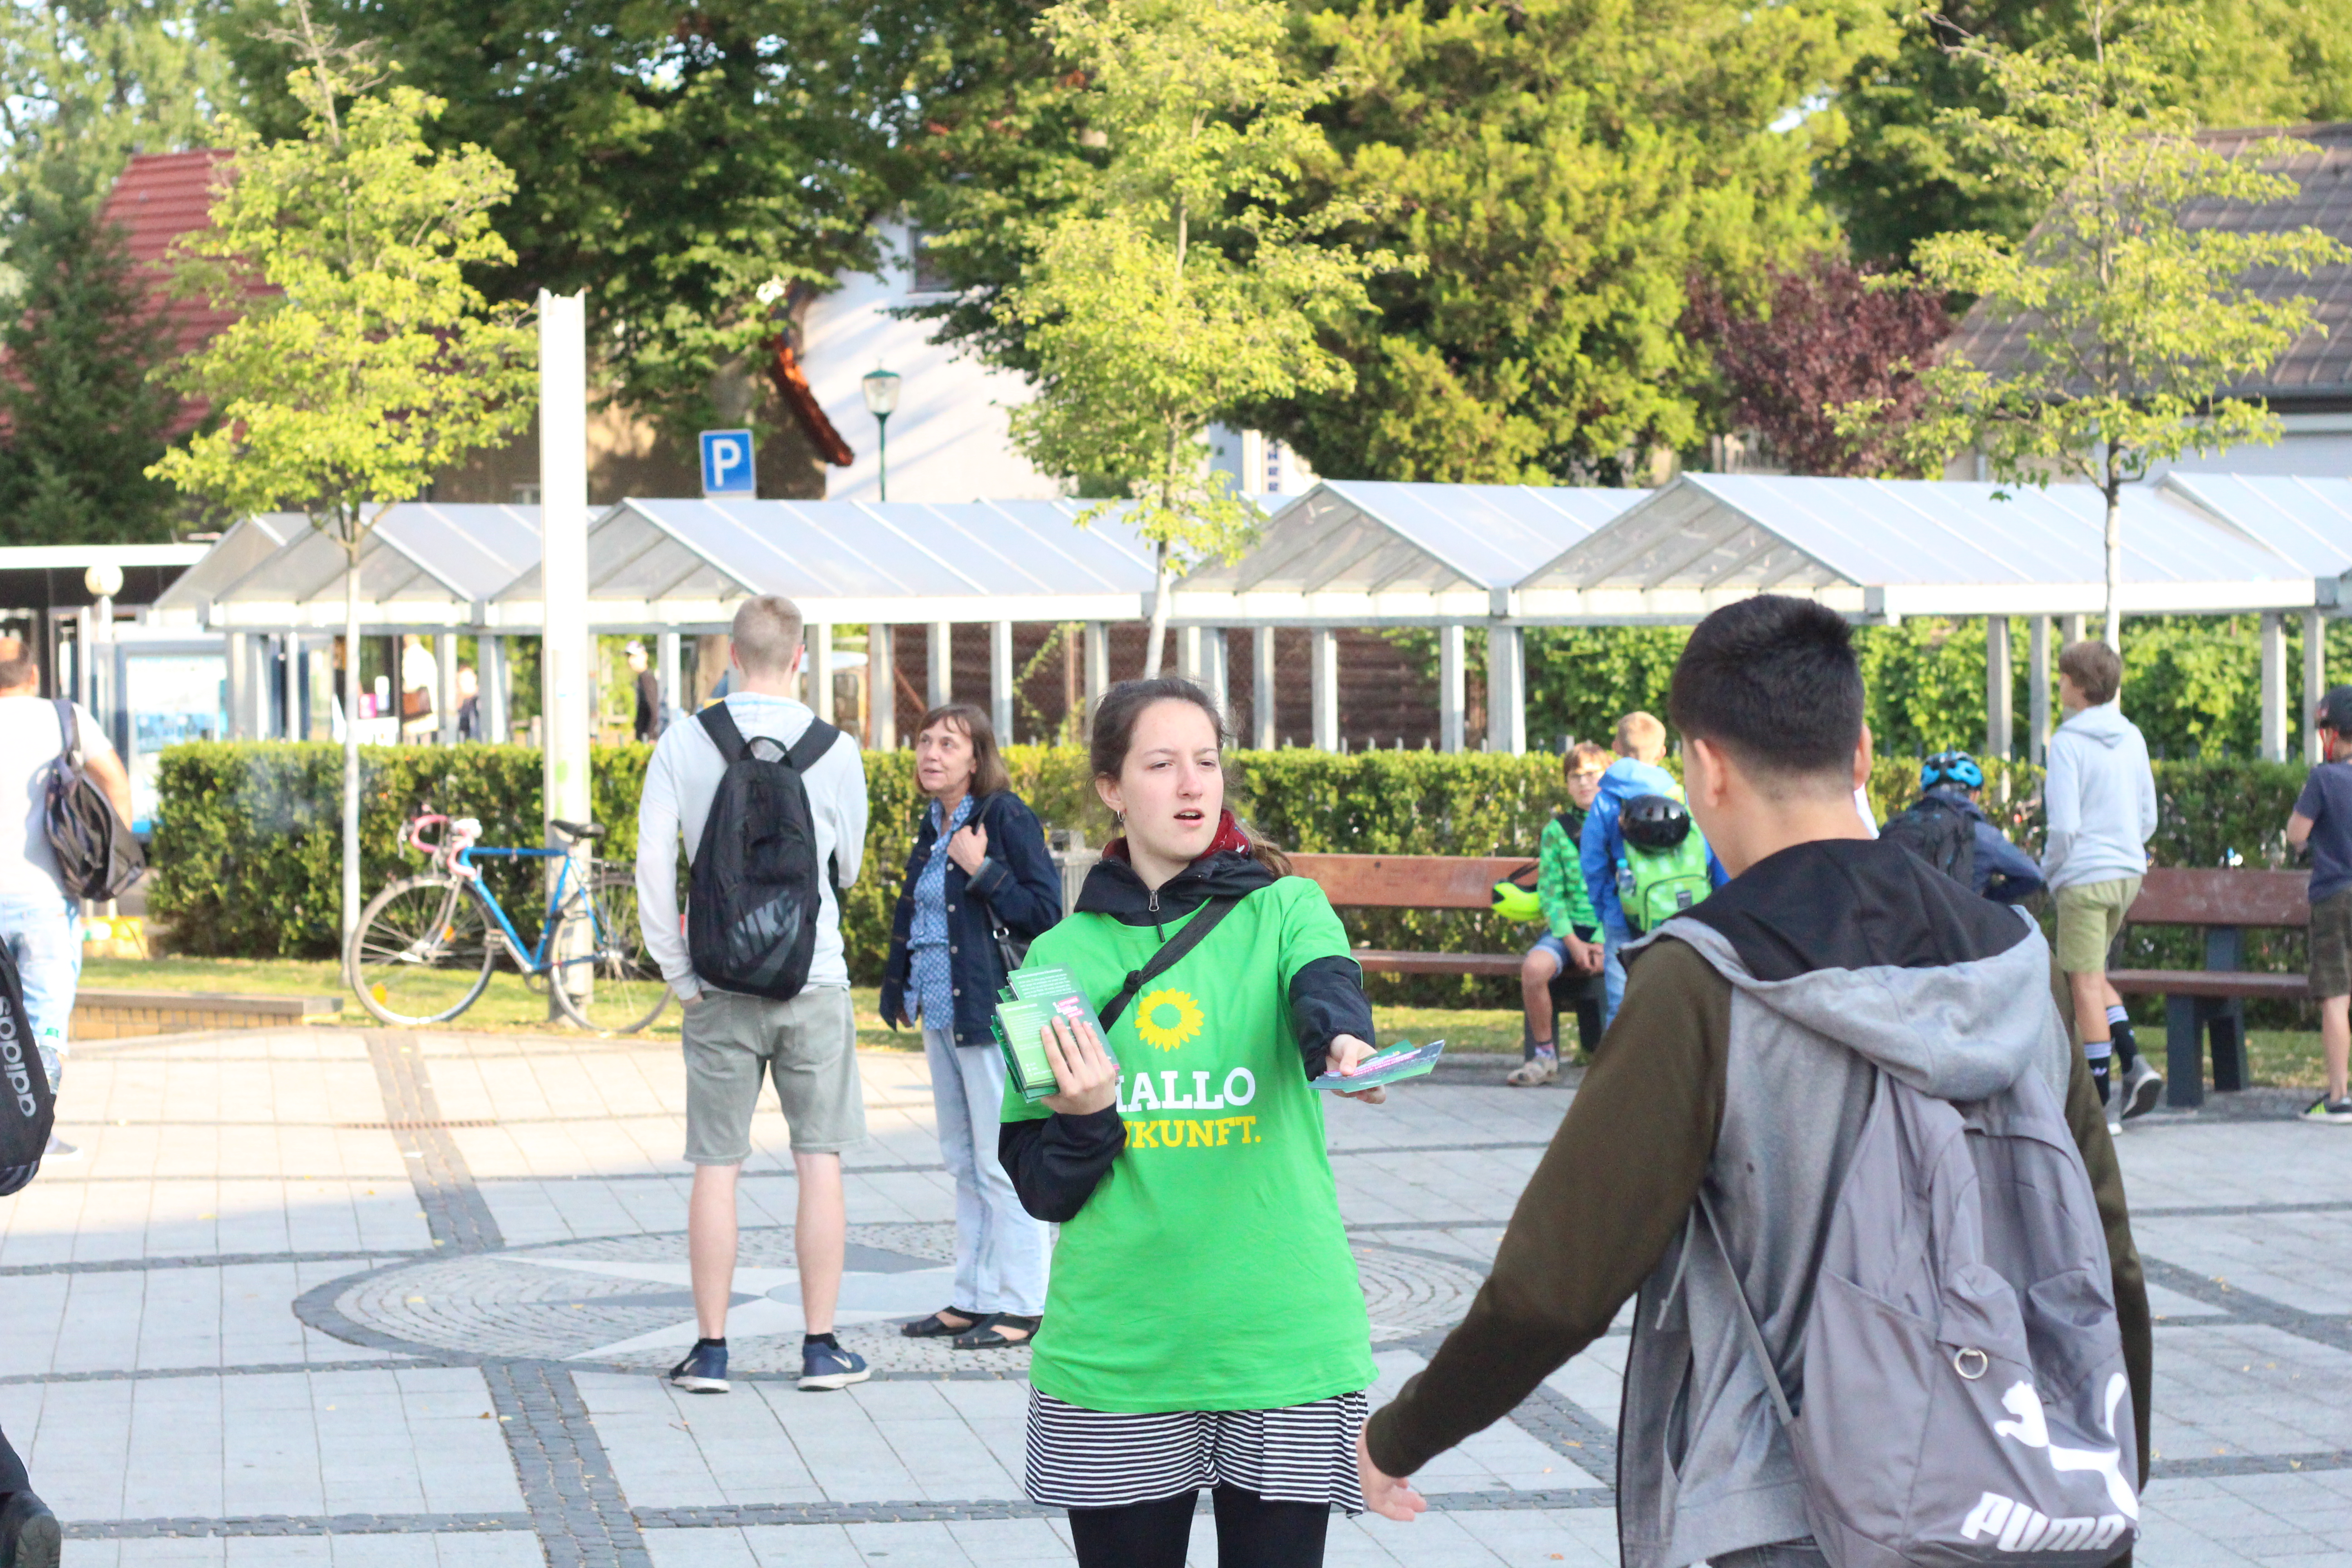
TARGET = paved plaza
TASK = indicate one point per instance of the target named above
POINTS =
(387, 1299)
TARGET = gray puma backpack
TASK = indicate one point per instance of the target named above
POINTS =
(1964, 1402)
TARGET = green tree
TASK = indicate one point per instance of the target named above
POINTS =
(1899, 178)
(84, 86)
(369, 364)
(84, 419)
(1178, 289)
(2132, 314)
(1560, 167)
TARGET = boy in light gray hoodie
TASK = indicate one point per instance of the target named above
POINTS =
(2100, 796)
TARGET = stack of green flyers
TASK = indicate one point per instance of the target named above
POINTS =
(1023, 1014)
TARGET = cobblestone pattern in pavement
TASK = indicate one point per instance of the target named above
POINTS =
(175, 1406)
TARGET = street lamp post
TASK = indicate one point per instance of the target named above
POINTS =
(882, 401)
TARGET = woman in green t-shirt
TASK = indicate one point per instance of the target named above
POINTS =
(1205, 1326)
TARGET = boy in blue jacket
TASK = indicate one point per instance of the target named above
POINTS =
(1640, 741)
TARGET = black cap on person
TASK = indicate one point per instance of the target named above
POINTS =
(2336, 710)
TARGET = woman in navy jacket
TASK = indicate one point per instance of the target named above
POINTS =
(979, 864)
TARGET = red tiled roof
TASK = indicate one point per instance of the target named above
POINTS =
(158, 198)
(2316, 371)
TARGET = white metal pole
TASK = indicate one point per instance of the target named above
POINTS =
(492, 681)
(1451, 688)
(2037, 661)
(881, 689)
(941, 649)
(818, 640)
(2315, 679)
(1507, 699)
(1998, 730)
(1188, 653)
(667, 663)
(2069, 627)
(566, 669)
(291, 678)
(1266, 733)
(445, 695)
(1098, 674)
(1213, 672)
(1323, 684)
(2273, 687)
(1000, 680)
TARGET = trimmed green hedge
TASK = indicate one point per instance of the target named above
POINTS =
(245, 840)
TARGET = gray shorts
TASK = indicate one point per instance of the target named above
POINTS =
(808, 1044)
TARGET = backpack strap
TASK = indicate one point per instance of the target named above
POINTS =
(1705, 1212)
(720, 726)
(812, 746)
(70, 733)
(1193, 934)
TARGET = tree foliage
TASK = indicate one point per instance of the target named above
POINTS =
(83, 420)
(1898, 178)
(1558, 168)
(1817, 338)
(1177, 289)
(84, 86)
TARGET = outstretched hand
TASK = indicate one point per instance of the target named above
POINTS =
(1345, 1054)
(1391, 1497)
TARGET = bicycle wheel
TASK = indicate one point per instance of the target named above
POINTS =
(423, 951)
(608, 982)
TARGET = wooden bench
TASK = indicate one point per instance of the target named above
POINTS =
(2212, 1000)
(1442, 882)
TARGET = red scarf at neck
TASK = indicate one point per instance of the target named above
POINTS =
(1230, 839)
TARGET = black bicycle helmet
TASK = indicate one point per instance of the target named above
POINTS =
(1655, 821)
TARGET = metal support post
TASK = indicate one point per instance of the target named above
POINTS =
(444, 686)
(1997, 725)
(2273, 687)
(1097, 641)
(1452, 686)
(494, 682)
(817, 671)
(1000, 680)
(940, 651)
(1507, 691)
(881, 689)
(566, 653)
(1188, 653)
(2315, 679)
(1323, 682)
(2069, 627)
(237, 649)
(1214, 675)
(1264, 733)
(669, 661)
(2037, 665)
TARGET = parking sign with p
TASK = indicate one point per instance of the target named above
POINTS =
(727, 464)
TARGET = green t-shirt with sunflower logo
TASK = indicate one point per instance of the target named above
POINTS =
(1209, 1271)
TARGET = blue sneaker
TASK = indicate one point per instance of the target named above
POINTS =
(825, 1366)
(704, 1370)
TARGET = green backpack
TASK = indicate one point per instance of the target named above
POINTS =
(1661, 861)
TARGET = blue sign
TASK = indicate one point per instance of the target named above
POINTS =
(727, 464)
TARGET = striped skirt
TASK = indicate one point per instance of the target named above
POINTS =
(1095, 1458)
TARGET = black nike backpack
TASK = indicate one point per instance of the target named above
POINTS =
(1940, 832)
(753, 899)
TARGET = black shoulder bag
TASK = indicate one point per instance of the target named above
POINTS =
(1193, 934)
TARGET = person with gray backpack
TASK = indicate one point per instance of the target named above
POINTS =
(770, 802)
(1890, 1311)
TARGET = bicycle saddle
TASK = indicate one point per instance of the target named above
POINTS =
(582, 830)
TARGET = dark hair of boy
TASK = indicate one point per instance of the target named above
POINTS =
(2096, 669)
(1773, 680)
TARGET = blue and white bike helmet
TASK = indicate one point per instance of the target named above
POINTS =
(1951, 768)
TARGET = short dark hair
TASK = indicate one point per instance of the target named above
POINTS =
(18, 664)
(988, 775)
(2096, 669)
(1774, 681)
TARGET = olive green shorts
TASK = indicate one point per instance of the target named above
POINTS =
(2331, 945)
(808, 1046)
(2090, 917)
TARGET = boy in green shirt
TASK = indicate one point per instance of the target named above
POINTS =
(1571, 944)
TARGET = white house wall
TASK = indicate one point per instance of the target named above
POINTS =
(949, 440)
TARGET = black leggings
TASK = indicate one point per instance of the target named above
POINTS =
(1250, 1533)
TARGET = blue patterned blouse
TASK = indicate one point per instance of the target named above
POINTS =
(932, 986)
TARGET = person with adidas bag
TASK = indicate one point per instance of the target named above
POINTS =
(1640, 876)
(770, 802)
(1890, 1311)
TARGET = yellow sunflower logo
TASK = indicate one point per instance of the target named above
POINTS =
(1167, 1018)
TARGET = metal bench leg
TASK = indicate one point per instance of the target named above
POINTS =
(2184, 1062)
(2229, 1036)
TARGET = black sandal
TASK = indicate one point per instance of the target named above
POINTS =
(937, 1327)
(990, 1335)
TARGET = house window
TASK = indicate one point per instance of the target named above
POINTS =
(930, 276)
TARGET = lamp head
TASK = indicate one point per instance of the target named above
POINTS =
(881, 393)
(105, 580)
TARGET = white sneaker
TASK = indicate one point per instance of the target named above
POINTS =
(2141, 1088)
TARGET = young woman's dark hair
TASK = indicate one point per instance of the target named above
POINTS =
(1112, 734)
(988, 775)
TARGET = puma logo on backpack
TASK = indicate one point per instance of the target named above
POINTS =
(753, 896)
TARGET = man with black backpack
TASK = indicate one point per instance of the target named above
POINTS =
(1947, 828)
(1891, 1310)
(769, 801)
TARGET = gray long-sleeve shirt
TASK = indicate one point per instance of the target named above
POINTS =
(681, 781)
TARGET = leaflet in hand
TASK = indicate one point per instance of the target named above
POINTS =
(1021, 1020)
(1402, 1062)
